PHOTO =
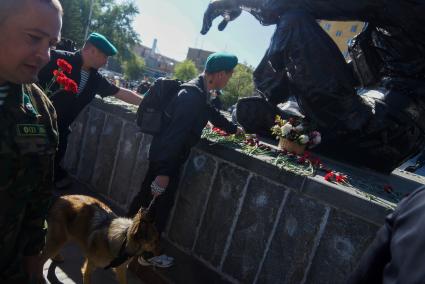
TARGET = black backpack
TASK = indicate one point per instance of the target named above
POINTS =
(155, 101)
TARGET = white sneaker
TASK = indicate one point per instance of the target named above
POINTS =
(162, 261)
(143, 262)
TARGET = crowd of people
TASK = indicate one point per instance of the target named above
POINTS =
(35, 129)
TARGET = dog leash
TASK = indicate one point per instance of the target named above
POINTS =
(122, 255)
(151, 203)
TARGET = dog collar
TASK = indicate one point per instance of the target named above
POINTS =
(122, 256)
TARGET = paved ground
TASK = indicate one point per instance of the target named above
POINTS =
(68, 272)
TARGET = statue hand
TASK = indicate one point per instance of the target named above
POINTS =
(229, 9)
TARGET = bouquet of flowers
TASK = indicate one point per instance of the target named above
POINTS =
(59, 77)
(294, 135)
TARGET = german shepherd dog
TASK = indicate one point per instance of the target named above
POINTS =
(106, 239)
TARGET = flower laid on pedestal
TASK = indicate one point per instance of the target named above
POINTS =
(304, 164)
(59, 77)
(251, 145)
(294, 136)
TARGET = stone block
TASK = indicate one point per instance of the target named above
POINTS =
(343, 242)
(253, 164)
(126, 158)
(222, 206)
(345, 198)
(293, 242)
(107, 149)
(140, 168)
(116, 107)
(89, 148)
(193, 193)
(254, 227)
(75, 140)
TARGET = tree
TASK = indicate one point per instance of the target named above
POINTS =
(239, 86)
(134, 67)
(114, 19)
(72, 27)
(185, 70)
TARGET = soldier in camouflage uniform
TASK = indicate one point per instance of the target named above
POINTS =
(28, 135)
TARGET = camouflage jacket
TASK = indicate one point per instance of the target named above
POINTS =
(28, 141)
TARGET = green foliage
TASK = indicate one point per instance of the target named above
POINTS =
(134, 67)
(114, 19)
(72, 26)
(239, 86)
(185, 70)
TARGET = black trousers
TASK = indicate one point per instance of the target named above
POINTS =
(163, 204)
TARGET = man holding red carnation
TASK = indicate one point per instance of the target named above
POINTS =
(73, 80)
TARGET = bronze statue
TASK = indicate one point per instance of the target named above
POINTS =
(371, 111)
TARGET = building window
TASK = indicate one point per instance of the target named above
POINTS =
(327, 26)
(338, 33)
(349, 41)
(354, 28)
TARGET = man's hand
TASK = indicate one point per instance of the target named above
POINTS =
(239, 131)
(34, 268)
(162, 182)
(229, 9)
(128, 96)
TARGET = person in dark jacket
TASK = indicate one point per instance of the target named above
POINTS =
(143, 87)
(187, 115)
(85, 64)
(397, 253)
(384, 126)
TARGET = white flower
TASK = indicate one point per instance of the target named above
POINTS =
(299, 128)
(303, 139)
(316, 138)
(286, 129)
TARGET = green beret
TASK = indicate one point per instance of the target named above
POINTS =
(102, 43)
(220, 61)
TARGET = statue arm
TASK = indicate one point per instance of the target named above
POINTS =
(231, 9)
(267, 12)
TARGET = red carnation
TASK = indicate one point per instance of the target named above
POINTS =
(329, 176)
(58, 73)
(67, 84)
(341, 178)
(61, 79)
(315, 162)
(64, 65)
(71, 86)
(388, 188)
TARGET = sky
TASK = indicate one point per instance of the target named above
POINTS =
(176, 25)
